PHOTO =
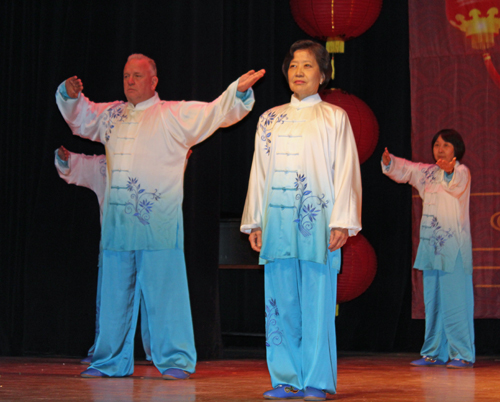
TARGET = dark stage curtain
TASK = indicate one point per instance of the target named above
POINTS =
(50, 231)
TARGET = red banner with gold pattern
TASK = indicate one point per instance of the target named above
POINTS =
(454, 62)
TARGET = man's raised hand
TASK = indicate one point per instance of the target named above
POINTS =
(74, 86)
(250, 78)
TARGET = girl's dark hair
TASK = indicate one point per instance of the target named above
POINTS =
(455, 139)
(322, 58)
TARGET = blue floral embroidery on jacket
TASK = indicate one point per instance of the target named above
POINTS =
(273, 333)
(265, 123)
(269, 118)
(102, 168)
(429, 174)
(306, 209)
(113, 115)
(266, 137)
(281, 118)
(439, 236)
(141, 205)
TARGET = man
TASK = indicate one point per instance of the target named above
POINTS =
(90, 171)
(146, 142)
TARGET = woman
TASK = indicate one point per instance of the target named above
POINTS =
(303, 201)
(445, 250)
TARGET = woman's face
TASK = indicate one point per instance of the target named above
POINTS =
(304, 75)
(443, 150)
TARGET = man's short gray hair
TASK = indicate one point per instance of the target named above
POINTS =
(140, 56)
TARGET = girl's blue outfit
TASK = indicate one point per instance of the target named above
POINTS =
(305, 180)
(444, 255)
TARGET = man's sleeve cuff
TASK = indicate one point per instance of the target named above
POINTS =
(63, 92)
(243, 96)
(386, 167)
(61, 163)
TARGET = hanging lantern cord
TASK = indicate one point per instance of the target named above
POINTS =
(333, 67)
(334, 45)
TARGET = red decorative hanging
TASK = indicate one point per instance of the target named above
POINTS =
(359, 266)
(363, 121)
(479, 19)
(335, 21)
(492, 71)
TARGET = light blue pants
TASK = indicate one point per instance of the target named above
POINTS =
(144, 316)
(300, 323)
(161, 277)
(449, 314)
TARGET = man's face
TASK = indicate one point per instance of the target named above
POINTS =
(139, 83)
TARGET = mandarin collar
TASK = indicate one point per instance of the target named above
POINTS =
(306, 102)
(144, 105)
(441, 172)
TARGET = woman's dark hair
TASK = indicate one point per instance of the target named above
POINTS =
(455, 139)
(322, 58)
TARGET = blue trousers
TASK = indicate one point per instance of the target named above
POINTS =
(144, 316)
(449, 314)
(300, 323)
(161, 278)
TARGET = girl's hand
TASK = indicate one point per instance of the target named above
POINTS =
(448, 167)
(255, 239)
(338, 237)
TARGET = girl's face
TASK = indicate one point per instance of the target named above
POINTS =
(304, 75)
(443, 150)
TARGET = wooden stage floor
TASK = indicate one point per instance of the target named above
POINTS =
(367, 377)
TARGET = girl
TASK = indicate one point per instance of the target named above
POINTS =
(445, 250)
(303, 201)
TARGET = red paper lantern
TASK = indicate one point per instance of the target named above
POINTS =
(479, 19)
(359, 266)
(335, 20)
(363, 121)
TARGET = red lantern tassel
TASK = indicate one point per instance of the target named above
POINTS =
(492, 71)
(334, 45)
